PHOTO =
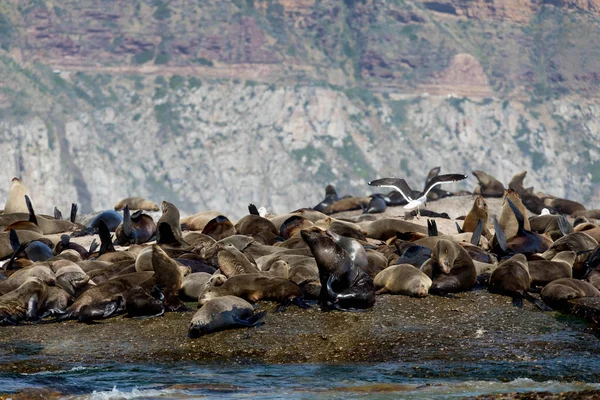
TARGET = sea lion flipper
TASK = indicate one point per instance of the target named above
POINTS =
(539, 304)
(32, 306)
(93, 246)
(518, 215)
(458, 228)
(250, 321)
(57, 213)
(517, 301)
(74, 208)
(32, 217)
(14, 240)
(106, 245)
(432, 227)
(476, 237)
(564, 225)
(500, 237)
(252, 209)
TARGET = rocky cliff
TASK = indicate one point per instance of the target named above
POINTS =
(219, 105)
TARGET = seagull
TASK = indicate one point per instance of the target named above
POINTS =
(402, 187)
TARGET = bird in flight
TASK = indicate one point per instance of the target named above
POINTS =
(402, 187)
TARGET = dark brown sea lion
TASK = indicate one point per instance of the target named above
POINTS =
(450, 268)
(223, 313)
(564, 206)
(591, 229)
(579, 242)
(330, 197)
(558, 293)
(545, 271)
(254, 224)
(143, 303)
(293, 225)
(343, 285)
(488, 185)
(254, 287)
(137, 203)
(524, 241)
(403, 279)
(511, 278)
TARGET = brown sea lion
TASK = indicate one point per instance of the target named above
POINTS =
(330, 197)
(41, 272)
(293, 225)
(508, 222)
(198, 221)
(254, 287)
(223, 313)
(402, 279)
(137, 203)
(55, 303)
(450, 268)
(545, 271)
(558, 292)
(234, 262)
(479, 211)
(516, 183)
(347, 204)
(71, 278)
(511, 278)
(489, 186)
(168, 228)
(254, 224)
(135, 229)
(524, 241)
(591, 214)
(579, 242)
(344, 286)
(194, 284)
(219, 228)
(591, 229)
(564, 206)
(386, 228)
(168, 277)
(377, 262)
(143, 303)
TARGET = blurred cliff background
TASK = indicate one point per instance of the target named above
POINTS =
(214, 104)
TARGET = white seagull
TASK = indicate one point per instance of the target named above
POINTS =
(402, 187)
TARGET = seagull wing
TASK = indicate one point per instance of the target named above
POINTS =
(395, 183)
(438, 180)
(432, 174)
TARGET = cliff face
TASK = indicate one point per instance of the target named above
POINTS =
(217, 106)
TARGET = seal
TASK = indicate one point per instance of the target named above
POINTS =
(255, 287)
(198, 221)
(579, 242)
(355, 250)
(234, 262)
(135, 229)
(168, 277)
(344, 286)
(254, 224)
(508, 221)
(136, 203)
(41, 272)
(347, 204)
(478, 212)
(450, 268)
(377, 204)
(511, 278)
(402, 279)
(168, 228)
(223, 313)
(488, 185)
(545, 271)
(15, 198)
(23, 302)
(194, 284)
(141, 304)
(293, 225)
(330, 197)
(219, 228)
(564, 206)
(558, 293)
(386, 228)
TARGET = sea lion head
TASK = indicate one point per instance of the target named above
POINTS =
(444, 254)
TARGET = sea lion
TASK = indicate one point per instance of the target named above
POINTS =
(193, 285)
(255, 287)
(343, 228)
(564, 206)
(591, 214)
(355, 250)
(223, 313)
(508, 221)
(234, 262)
(545, 271)
(386, 228)
(516, 183)
(414, 255)
(71, 278)
(558, 293)
(42, 272)
(293, 225)
(55, 303)
(219, 228)
(591, 229)
(347, 204)
(136, 203)
(450, 268)
(254, 224)
(478, 212)
(141, 303)
(135, 229)
(377, 204)
(511, 278)
(402, 279)
(579, 242)
(65, 243)
(489, 186)
(344, 286)
(330, 197)
(15, 198)
(168, 228)
(168, 277)
(377, 263)
(198, 221)
(23, 302)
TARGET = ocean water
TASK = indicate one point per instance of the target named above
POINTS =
(435, 380)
